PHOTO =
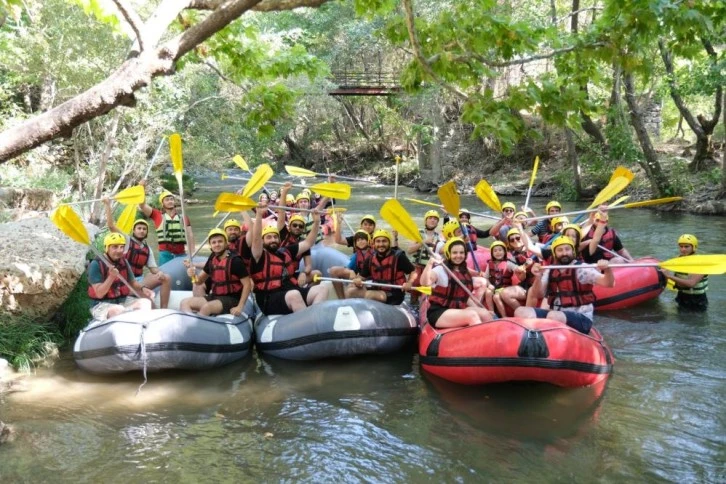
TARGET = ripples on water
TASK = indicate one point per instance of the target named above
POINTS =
(659, 418)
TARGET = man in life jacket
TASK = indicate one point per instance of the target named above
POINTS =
(691, 288)
(230, 283)
(568, 291)
(233, 230)
(140, 255)
(171, 232)
(293, 233)
(600, 234)
(385, 265)
(273, 267)
(420, 251)
(543, 228)
(109, 295)
(499, 230)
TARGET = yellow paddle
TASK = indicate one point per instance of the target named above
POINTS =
(450, 198)
(645, 203)
(302, 172)
(175, 152)
(620, 179)
(231, 202)
(531, 182)
(422, 289)
(437, 205)
(125, 222)
(70, 224)
(393, 212)
(711, 264)
(486, 194)
(261, 176)
(128, 196)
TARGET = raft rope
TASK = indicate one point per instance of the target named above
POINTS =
(144, 358)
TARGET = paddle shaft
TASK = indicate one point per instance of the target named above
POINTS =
(612, 252)
(365, 283)
(531, 183)
(153, 158)
(610, 266)
(577, 212)
(342, 177)
(423, 202)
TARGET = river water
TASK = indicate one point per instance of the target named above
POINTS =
(659, 418)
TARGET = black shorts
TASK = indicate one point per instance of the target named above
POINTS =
(574, 320)
(434, 313)
(395, 297)
(274, 302)
(692, 302)
(228, 302)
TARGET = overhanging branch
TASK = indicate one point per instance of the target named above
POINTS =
(133, 19)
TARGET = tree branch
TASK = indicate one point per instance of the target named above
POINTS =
(416, 45)
(264, 6)
(133, 19)
(514, 62)
(673, 89)
(576, 12)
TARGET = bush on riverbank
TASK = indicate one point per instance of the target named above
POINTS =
(25, 341)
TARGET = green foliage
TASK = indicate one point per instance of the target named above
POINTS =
(74, 314)
(25, 341)
(680, 179)
(620, 140)
(565, 186)
(169, 182)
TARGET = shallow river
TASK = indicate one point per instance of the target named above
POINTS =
(660, 418)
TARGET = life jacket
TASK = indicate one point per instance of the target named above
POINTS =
(171, 229)
(118, 289)
(699, 288)
(235, 246)
(453, 296)
(290, 239)
(607, 241)
(224, 283)
(275, 272)
(499, 274)
(563, 284)
(521, 258)
(360, 258)
(547, 235)
(471, 231)
(422, 256)
(138, 256)
(386, 270)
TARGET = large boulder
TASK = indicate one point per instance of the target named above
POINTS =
(39, 267)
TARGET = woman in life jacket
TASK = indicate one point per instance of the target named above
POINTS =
(517, 242)
(450, 305)
(498, 274)
(230, 283)
(691, 288)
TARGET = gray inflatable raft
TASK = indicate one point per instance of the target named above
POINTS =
(339, 328)
(161, 339)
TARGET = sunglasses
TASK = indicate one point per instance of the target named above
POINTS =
(509, 210)
(297, 226)
(515, 239)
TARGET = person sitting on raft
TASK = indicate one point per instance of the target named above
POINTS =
(543, 228)
(230, 283)
(450, 305)
(600, 234)
(109, 295)
(386, 265)
(498, 273)
(233, 229)
(361, 252)
(517, 242)
(140, 255)
(569, 291)
(691, 287)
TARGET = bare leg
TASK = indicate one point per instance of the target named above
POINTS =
(525, 312)
(500, 305)
(211, 307)
(512, 295)
(294, 301)
(376, 296)
(192, 304)
(317, 294)
(152, 281)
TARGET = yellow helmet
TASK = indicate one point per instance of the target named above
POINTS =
(498, 243)
(572, 226)
(450, 227)
(113, 238)
(297, 217)
(215, 232)
(382, 233)
(452, 241)
(232, 223)
(140, 221)
(371, 218)
(562, 240)
(359, 234)
(270, 229)
(307, 192)
(432, 213)
(289, 198)
(164, 194)
(520, 214)
(513, 231)
(689, 239)
(302, 196)
(560, 220)
(552, 204)
(601, 216)
(509, 205)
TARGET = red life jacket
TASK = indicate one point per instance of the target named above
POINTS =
(545, 237)
(290, 239)
(453, 296)
(607, 241)
(471, 231)
(499, 274)
(360, 258)
(563, 284)
(275, 271)
(386, 270)
(235, 246)
(138, 256)
(224, 283)
(521, 258)
(118, 289)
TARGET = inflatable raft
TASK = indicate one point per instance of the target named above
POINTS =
(162, 339)
(633, 285)
(482, 257)
(339, 328)
(516, 349)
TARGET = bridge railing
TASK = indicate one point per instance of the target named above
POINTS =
(346, 78)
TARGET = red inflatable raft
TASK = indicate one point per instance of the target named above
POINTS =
(516, 349)
(481, 255)
(633, 285)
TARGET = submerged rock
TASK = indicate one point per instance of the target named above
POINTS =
(39, 267)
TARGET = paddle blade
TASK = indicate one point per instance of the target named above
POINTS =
(618, 201)
(131, 195)
(258, 180)
(239, 161)
(657, 201)
(613, 188)
(711, 264)
(334, 210)
(486, 194)
(231, 202)
(393, 212)
(340, 191)
(449, 198)
(423, 290)
(175, 151)
(125, 222)
(297, 171)
(70, 224)
(621, 171)
(534, 171)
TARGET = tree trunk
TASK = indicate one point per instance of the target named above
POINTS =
(657, 178)
(574, 163)
(296, 153)
(354, 119)
(109, 144)
(723, 154)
